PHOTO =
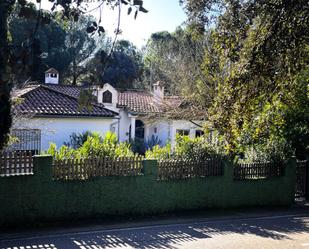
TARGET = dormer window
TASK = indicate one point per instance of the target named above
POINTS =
(107, 97)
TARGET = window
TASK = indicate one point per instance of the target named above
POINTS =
(107, 97)
(183, 132)
(53, 75)
(199, 133)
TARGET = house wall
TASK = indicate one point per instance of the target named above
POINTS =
(58, 130)
(51, 80)
(182, 125)
(124, 127)
(166, 130)
(163, 131)
(107, 87)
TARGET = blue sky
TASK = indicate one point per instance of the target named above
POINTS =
(162, 15)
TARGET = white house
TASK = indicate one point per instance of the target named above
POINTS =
(141, 113)
(54, 109)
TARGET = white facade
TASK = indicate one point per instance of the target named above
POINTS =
(58, 130)
(165, 131)
(51, 78)
(128, 126)
(107, 87)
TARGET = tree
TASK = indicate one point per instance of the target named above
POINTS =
(121, 69)
(70, 9)
(261, 49)
(174, 58)
(80, 47)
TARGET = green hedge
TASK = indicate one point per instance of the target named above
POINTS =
(40, 198)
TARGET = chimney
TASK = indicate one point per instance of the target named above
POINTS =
(158, 89)
(51, 76)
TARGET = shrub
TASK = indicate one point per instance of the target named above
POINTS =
(186, 147)
(78, 139)
(158, 152)
(95, 145)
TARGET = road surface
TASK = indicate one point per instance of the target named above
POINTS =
(280, 231)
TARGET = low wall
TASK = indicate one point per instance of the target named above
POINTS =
(40, 198)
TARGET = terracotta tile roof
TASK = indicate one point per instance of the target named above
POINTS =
(136, 101)
(144, 102)
(73, 91)
(42, 100)
(52, 70)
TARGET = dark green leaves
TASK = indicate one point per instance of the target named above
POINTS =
(129, 10)
(138, 5)
(91, 29)
(95, 28)
(138, 2)
(101, 30)
(142, 9)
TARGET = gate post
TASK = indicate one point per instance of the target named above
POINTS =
(307, 179)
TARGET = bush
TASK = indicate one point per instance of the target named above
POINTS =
(186, 148)
(158, 152)
(95, 145)
(78, 139)
(275, 150)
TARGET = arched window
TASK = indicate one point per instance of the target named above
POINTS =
(107, 97)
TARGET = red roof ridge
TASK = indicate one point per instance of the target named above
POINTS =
(52, 70)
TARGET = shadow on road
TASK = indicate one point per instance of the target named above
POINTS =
(166, 236)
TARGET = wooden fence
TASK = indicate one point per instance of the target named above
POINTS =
(16, 163)
(188, 168)
(82, 169)
(257, 170)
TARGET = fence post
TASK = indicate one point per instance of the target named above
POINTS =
(150, 167)
(228, 170)
(290, 176)
(42, 167)
(307, 175)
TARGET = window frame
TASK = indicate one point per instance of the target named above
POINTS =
(109, 97)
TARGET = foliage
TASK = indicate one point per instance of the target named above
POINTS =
(158, 152)
(62, 44)
(153, 141)
(78, 139)
(257, 58)
(138, 145)
(198, 148)
(95, 145)
(29, 54)
(121, 69)
(173, 58)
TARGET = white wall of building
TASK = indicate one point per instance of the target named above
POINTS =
(58, 130)
(166, 130)
(107, 87)
(162, 130)
(51, 78)
(124, 126)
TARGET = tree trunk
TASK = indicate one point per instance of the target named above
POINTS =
(5, 86)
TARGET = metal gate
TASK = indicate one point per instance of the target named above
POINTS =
(301, 179)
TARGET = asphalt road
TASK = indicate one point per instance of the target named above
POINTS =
(281, 231)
